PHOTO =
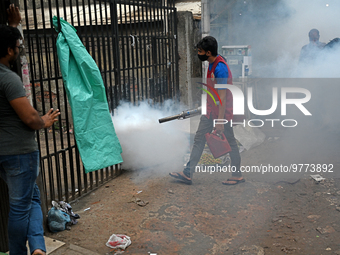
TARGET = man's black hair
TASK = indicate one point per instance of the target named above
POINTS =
(9, 36)
(208, 43)
(313, 34)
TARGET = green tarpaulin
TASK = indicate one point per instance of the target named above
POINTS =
(95, 135)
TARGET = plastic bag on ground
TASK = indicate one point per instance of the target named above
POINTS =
(57, 220)
(118, 241)
(66, 207)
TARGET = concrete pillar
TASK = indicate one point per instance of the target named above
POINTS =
(205, 32)
(189, 64)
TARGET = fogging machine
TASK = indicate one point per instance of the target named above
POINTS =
(183, 115)
(218, 144)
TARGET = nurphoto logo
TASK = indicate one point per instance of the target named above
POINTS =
(238, 104)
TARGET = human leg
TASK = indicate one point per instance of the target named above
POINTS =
(20, 173)
(234, 154)
(35, 233)
(205, 126)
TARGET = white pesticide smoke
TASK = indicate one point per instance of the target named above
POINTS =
(146, 143)
(277, 30)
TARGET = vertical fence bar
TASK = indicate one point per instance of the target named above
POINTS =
(104, 66)
(176, 76)
(159, 51)
(136, 50)
(115, 45)
(69, 169)
(154, 52)
(147, 56)
(173, 51)
(142, 49)
(128, 60)
(81, 175)
(124, 57)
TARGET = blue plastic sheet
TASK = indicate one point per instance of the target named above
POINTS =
(96, 138)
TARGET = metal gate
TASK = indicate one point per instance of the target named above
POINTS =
(135, 47)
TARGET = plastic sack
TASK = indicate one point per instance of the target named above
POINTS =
(95, 135)
(66, 207)
(57, 220)
(118, 241)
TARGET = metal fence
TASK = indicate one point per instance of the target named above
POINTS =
(135, 47)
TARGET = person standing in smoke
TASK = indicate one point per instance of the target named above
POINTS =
(310, 51)
(218, 72)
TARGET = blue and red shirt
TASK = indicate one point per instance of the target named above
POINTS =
(220, 73)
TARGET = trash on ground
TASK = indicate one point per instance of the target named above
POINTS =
(118, 242)
(139, 191)
(317, 177)
(66, 207)
(138, 201)
(58, 220)
(87, 209)
(61, 217)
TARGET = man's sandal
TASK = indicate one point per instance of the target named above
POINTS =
(178, 176)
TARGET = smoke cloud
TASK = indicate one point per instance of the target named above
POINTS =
(277, 30)
(148, 145)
